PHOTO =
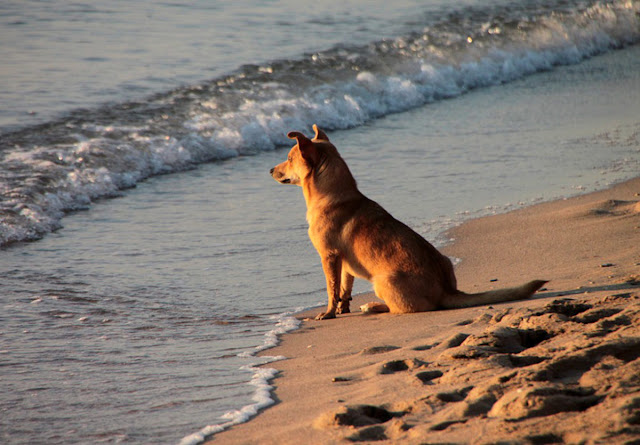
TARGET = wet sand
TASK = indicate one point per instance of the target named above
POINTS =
(562, 367)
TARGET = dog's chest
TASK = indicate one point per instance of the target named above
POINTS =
(325, 229)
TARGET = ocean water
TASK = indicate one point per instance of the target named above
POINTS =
(146, 252)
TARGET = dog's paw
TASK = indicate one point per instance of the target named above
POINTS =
(374, 308)
(325, 315)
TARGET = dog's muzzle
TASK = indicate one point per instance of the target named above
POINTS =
(281, 181)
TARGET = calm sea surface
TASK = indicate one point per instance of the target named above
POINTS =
(146, 254)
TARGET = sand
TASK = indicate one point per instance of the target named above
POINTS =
(562, 367)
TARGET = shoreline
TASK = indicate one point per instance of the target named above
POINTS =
(333, 368)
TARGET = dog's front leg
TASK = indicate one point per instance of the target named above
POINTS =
(346, 284)
(332, 266)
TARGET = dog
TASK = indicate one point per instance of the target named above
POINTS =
(356, 237)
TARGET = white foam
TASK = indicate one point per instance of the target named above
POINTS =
(260, 113)
(262, 399)
(556, 41)
(260, 381)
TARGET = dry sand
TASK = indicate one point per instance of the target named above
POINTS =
(560, 368)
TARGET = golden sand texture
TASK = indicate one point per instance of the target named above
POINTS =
(563, 367)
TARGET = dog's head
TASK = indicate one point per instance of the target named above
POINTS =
(302, 159)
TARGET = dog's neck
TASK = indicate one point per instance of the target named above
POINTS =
(329, 185)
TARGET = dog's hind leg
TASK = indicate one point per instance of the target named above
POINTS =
(346, 285)
(404, 294)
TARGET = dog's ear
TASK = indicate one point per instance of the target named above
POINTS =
(320, 135)
(307, 149)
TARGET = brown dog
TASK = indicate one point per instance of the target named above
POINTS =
(356, 237)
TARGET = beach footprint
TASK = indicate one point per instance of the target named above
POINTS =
(371, 422)
(520, 366)
(393, 366)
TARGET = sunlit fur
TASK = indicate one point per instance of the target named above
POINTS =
(355, 237)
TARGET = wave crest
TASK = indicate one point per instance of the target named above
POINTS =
(65, 165)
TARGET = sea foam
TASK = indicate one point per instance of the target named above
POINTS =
(261, 379)
(66, 165)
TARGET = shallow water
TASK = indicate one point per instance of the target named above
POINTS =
(141, 314)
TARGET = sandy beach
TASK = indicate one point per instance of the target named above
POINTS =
(560, 368)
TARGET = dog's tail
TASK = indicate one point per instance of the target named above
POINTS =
(461, 299)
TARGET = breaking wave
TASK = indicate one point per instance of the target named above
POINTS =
(64, 165)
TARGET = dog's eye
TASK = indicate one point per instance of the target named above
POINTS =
(289, 158)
